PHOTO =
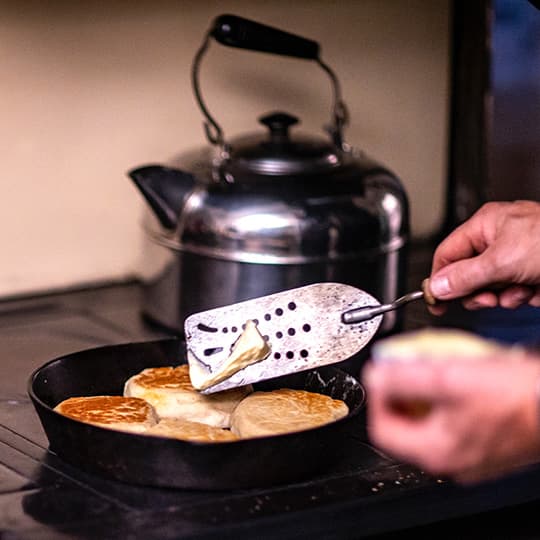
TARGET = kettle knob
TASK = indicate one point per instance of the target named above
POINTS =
(278, 123)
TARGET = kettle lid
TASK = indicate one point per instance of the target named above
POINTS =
(276, 153)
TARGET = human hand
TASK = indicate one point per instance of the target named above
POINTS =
(467, 419)
(491, 259)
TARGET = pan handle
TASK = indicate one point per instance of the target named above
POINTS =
(235, 31)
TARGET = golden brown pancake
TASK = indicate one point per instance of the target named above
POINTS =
(284, 411)
(115, 412)
(190, 431)
(172, 395)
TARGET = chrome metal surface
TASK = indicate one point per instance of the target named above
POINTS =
(279, 153)
(269, 258)
(365, 313)
(282, 227)
(178, 284)
(303, 327)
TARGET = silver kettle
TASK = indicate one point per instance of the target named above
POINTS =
(270, 210)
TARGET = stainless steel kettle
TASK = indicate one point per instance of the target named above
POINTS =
(272, 210)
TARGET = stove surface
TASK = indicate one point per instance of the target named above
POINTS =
(364, 494)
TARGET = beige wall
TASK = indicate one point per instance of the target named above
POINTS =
(90, 89)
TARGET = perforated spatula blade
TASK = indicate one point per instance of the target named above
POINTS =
(303, 326)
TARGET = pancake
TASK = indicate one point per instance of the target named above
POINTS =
(433, 344)
(190, 431)
(284, 411)
(115, 412)
(170, 392)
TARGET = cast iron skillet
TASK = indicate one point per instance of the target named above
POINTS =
(159, 461)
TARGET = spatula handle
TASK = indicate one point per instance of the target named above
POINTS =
(366, 313)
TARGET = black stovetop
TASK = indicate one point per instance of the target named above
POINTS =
(364, 494)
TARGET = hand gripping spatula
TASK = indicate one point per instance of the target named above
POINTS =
(306, 328)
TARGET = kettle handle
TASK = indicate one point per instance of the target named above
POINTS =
(235, 31)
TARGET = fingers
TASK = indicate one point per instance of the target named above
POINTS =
(498, 244)
(395, 433)
(463, 277)
(438, 309)
(408, 412)
(479, 278)
(509, 298)
(535, 299)
(406, 379)
(515, 296)
(481, 417)
(481, 300)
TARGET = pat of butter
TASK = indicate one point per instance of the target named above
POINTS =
(248, 349)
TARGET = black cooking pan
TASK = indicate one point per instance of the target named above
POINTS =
(160, 461)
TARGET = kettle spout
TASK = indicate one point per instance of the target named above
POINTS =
(164, 190)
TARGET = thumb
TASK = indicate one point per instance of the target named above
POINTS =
(463, 277)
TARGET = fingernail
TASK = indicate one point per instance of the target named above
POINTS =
(440, 286)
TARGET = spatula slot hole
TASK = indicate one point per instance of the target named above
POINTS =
(304, 353)
(279, 335)
(214, 350)
(289, 355)
(203, 328)
(292, 306)
(277, 356)
(291, 331)
(279, 312)
(306, 327)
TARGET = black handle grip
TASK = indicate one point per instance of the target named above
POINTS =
(238, 32)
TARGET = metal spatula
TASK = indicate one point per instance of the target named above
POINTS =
(306, 328)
